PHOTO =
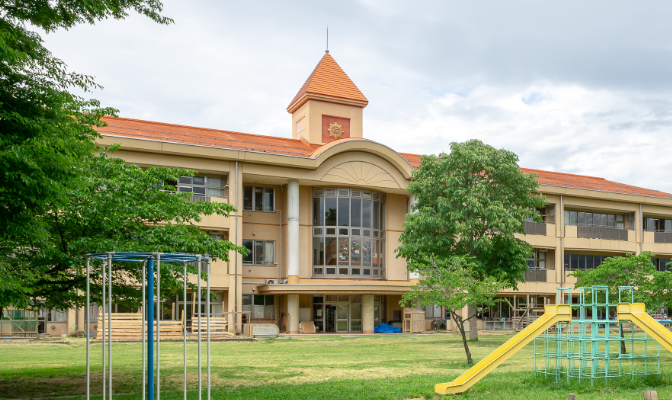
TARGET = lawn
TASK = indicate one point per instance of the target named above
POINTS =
(366, 367)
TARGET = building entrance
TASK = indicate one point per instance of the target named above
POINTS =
(337, 313)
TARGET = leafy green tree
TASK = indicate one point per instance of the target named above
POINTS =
(46, 133)
(118, 207)
(653, 288)
(469, 204)
(454, 283)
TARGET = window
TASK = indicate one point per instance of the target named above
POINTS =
(661, 264)
(260, 252)
(538, 259)
(658, 225)
(598, 220)
(261, 306)
(348, 232)
(575, 262)
(205, 186)
(257, 198)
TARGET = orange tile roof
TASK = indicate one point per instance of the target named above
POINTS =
(162, 132)
(328, 80)
(158, 131)
(592, 183)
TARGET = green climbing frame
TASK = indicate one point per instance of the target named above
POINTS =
(590, 347)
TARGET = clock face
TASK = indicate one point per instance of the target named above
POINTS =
(334, 128)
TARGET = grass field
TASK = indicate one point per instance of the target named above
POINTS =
(366, 367)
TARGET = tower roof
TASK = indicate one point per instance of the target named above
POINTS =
(328, 82)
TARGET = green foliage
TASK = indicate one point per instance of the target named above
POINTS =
(46, 133)
(471, 202)
(460, 237)
(653, 288)
(115, 207)
(454, 284)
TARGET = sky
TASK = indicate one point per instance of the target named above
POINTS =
(570, 86)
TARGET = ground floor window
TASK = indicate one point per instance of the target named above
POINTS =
(260, 306)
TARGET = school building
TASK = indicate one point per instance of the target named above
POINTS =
(321, 213)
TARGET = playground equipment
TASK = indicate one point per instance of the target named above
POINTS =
(553, 314)
(591, 346)
(584, 348)
(152, 319)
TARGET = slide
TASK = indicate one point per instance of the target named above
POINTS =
(636, 313)
(552, 314)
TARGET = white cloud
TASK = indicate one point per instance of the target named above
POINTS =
(575, 87)
(616, 135)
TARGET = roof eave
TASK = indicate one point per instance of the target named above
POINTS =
(328, 99)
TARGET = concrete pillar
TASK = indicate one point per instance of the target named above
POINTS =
(293, 233)
(413, 277)
(367, 313)
(293, 311)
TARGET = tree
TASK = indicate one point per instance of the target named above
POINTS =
(117, 207)
(454, 284)
(469, 204)
(653, 288)
(46, 133)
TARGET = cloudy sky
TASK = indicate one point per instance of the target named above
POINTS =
(570, 86)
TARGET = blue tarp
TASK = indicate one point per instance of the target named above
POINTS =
(385, 328)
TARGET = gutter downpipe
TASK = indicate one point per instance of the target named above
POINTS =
(235, 300)
(641, 229)
(562, 244)
(279, 258)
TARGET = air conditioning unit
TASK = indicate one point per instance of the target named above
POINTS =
(271, 282)
(285, 282)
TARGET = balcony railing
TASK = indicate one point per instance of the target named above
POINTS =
(662, 237)
(535, 228)
(594, 232)
(535, 275)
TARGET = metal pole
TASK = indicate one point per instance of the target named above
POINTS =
(198, 258)
(207, 317)
(87, 318)
(184, 328)
(144, 326)
(103, 325)
(150, 329)
(235, 279)
(109, 318)
(159, 311)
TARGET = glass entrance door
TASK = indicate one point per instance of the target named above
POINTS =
(330, 318)
(342, 318)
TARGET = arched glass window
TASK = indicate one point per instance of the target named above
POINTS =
(348, 233)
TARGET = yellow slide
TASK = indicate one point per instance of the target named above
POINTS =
(636, 313)
(552, 314)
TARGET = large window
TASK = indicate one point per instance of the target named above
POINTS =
(537, 260)
(348, 233)
(575, 262)
(598, 220)
(260, 252)
(658, 225)
(261, 306)
(661, 264)
(257, 198)
(205, 186)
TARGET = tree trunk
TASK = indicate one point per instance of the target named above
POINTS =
(460, 325)
(473, 328)
(623, 349)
